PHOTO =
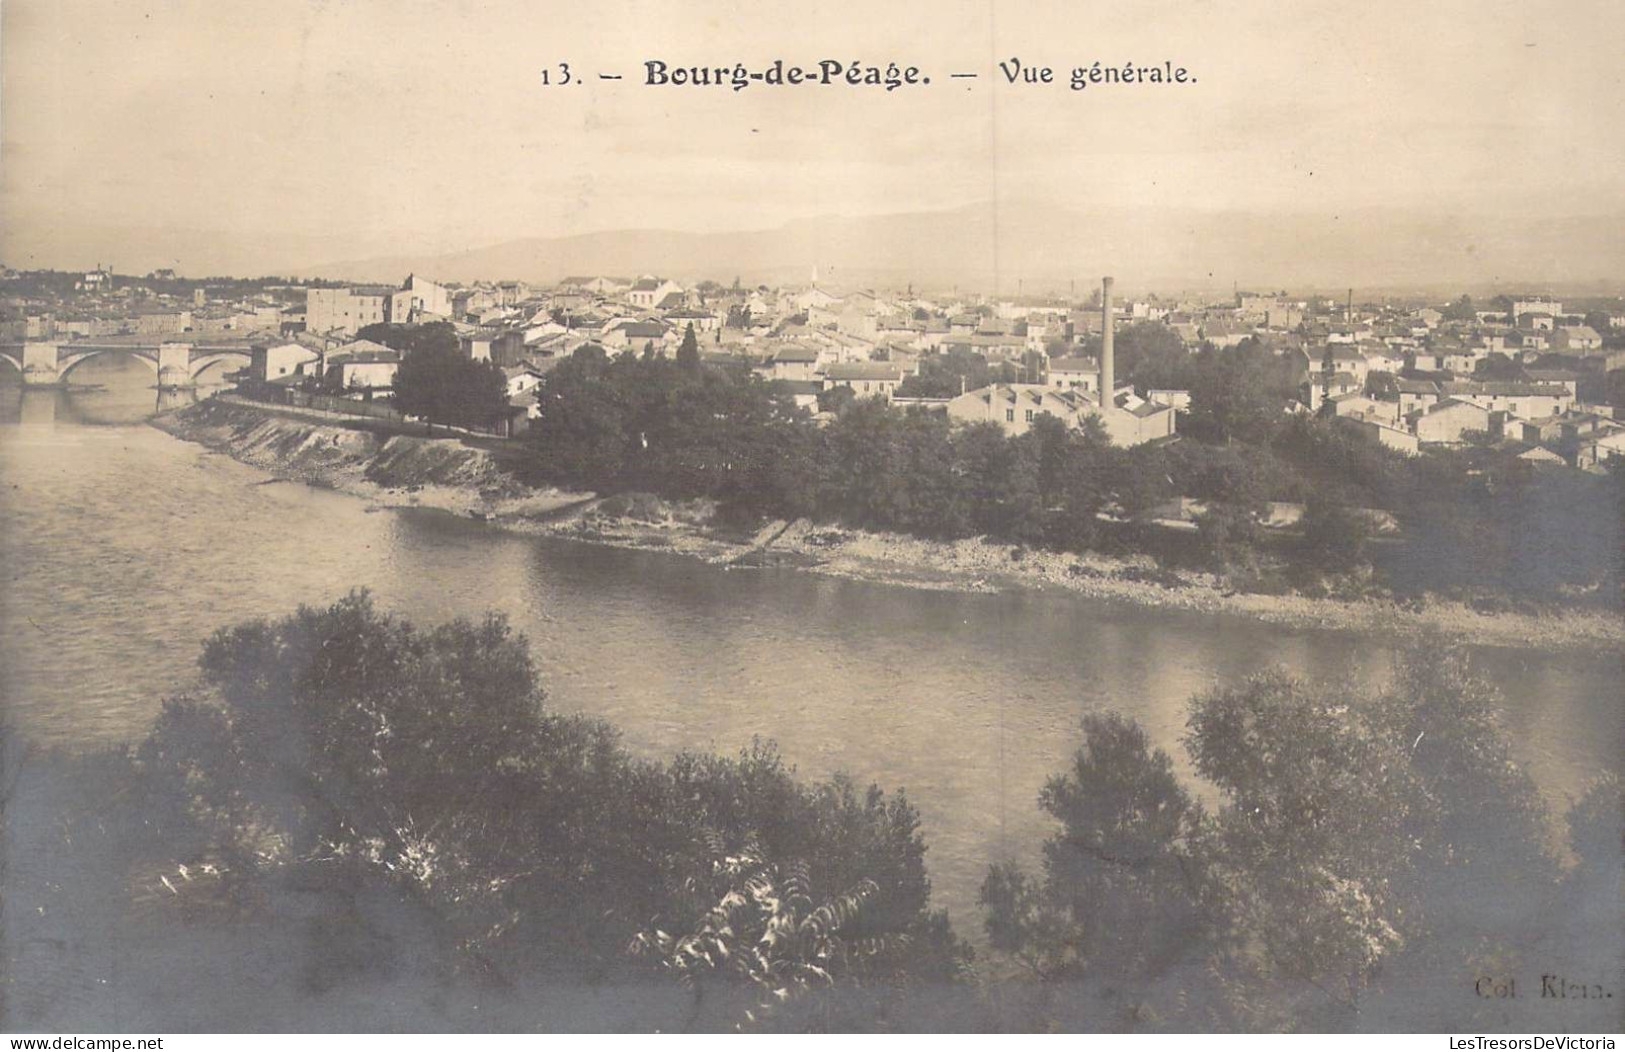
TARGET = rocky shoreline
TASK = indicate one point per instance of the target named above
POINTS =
(396, 470)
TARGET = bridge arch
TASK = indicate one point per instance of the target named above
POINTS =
(13, 361)
(215, 358)
(66, 363)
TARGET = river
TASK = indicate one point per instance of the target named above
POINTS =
(123, 547)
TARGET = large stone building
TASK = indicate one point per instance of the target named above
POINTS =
(1017, 407)
(1064, 374)
(866, 379)
(419, 299)
(345, 311)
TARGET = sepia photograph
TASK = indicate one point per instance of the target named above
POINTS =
(812, 516)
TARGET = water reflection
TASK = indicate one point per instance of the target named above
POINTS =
(103, 392)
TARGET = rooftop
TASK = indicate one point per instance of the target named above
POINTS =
(1503, 390)
(794, 354)
(865, 371)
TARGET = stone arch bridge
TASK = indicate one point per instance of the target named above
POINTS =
(175, 364)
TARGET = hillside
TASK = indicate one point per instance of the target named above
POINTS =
(1039, 248)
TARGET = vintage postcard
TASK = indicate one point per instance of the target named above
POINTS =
(971, 516)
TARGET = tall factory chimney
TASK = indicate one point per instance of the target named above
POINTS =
(1107, 380)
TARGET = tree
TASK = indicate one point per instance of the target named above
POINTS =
(1238, 393)
(437, 335)
(1498, 367)
(1616, 388)
(872, 490)
(1235, 484)
(1149, 355)
(317, 727)
(1228, 533)
(1356, 836)
(437, 382)
(836, 399)
(680, 431)
(346, 753)
(688, 353)
(584, 432)
(1463, 310)
(1335, 536)
(1480, 822)
(761, 952)
(1313, 829)
(1000, 477)
(947, 375)
(1382, 385)
(1118, 899)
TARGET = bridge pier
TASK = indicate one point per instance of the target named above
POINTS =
(39, 365)
(175, 365)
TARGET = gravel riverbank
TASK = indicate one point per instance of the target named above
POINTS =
(396, 470)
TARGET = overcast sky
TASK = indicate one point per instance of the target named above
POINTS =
(405, 126)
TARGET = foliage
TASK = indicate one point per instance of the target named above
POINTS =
(688, 352)
(1357, 836)
(1498, 367)
(437, 382)
(758, 954)
(1469, 524)
(836, 399)
(1118, 895)
(1149, 355)
(675, 430)
(1235, 489)
(430, 336)
(1238, 393)
(1313, 825)
(1596, 825)
(1382, 385)
(1335, 536)
(400, 794)
(345, 752)
(953, 373)
(1463, 309)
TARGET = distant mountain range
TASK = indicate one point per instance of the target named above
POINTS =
(1037, 248)
(1012, 247)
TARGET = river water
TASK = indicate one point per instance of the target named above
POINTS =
(122, 548)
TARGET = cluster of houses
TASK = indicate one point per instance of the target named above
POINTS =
(806, 340)
(359, 368)
(1545, 419)
(99, 307)
(1418, 380)
(1410, 377)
